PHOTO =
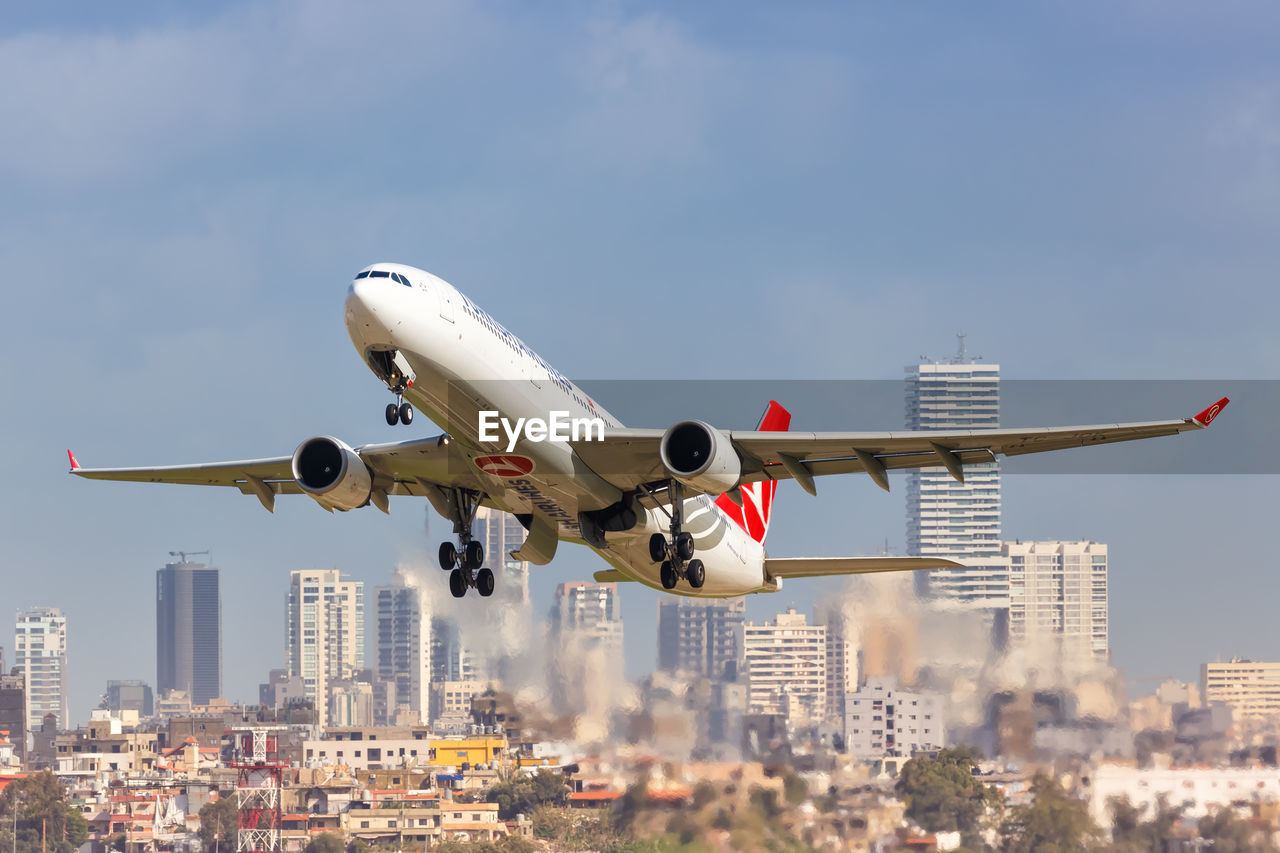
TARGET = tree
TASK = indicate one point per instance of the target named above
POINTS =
(325, 842)
(1230, 833)
(522, 794)
(1131, 834)
(46, 821)
(943, 795)
(219, 824)
(1054, 822)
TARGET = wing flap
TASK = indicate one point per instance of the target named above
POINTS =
(629, 458)
(819, 567)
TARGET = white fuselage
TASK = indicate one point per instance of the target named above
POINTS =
(464, 362)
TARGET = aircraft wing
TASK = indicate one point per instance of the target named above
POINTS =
(629, 458)
(399, 468)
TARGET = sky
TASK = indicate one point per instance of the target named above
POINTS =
(639, 191)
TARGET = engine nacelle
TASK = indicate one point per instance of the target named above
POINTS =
(332, 473)
(701, 457)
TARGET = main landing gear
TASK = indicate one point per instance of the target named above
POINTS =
(464, 563)
(676, 553)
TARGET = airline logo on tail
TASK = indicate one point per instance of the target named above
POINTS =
(757, 498)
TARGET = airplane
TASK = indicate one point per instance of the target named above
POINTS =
(685, 510)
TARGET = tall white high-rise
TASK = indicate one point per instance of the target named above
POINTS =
(40, 654)
(947, 518)
(1058, 602)
(787, 667)
(325, 632)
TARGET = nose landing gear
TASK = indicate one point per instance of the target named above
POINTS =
(676, 554)
(392, 368)
(465, 565)
(399, 411)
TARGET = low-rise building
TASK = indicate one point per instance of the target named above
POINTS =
(1196, 791)
(881, 719)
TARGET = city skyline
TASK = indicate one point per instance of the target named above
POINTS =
(857, 186)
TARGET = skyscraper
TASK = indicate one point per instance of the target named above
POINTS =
(404, 643)
(1058, 602)
(325, 632)
(40, 654)
(946, 518)
(701, 636)
(189, 631)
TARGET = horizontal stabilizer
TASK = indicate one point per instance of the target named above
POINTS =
(610, 576)
(817, 567)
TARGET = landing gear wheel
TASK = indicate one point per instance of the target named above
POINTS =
(484, 582)
(696, 573)
(684, 546)
(448, 556)
(406, 414)
(668, 575)
(458, 583)
(393, 414)
(657, 547)
(475, 554)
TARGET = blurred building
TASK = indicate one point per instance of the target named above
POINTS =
(325, 631)
(950, 519)
(13, 711)
(404, 644)
(129, 696)
(701, 636)
(1058, 601)
(40, 655)
(1250, 688)
(786, 666)
(280, 689)
(842, 654)
(189, 630)
(881, 719)
(350, 703)
(590, 612)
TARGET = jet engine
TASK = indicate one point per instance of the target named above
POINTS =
(332, 473)
(701, 457)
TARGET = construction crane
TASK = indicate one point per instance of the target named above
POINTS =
(184, 554)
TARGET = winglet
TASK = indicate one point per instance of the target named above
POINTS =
(74, 464)
(1207, 416)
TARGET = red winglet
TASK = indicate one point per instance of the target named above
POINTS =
(72, 457)
(1206, 417)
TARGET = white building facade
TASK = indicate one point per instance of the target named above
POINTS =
(786, 666)
(1058, 601)
(324, 632)
(40, 654)
(880, 720)
(947, 518)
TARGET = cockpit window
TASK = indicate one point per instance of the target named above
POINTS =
(363, 274)
(379, 274)
(395, 276)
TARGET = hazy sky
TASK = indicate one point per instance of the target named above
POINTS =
(1089, 190)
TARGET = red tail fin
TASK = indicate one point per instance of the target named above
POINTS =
(757, 498)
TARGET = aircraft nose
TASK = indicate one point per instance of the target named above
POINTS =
(366, 306)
